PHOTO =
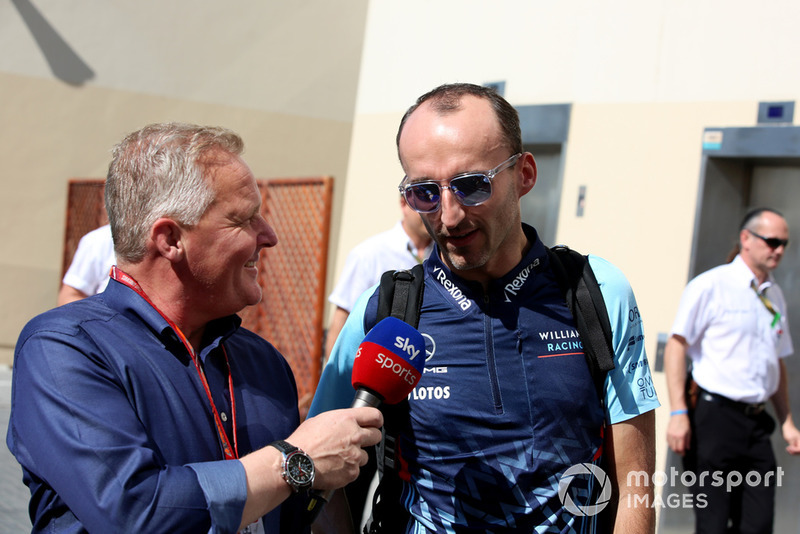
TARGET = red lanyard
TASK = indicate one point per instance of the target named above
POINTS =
(231, 453)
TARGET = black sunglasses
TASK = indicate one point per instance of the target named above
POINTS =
(772, 242)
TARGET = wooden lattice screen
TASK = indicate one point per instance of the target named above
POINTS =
(291, 275)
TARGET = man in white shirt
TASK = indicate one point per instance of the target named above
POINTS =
(401, 247)
(732, 324)
(88, 273)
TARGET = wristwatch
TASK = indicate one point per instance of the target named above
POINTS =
(298, 467)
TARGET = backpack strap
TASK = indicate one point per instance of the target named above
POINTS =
(400, 295)
(388, 515)
(585, 300)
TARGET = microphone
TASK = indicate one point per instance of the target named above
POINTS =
(387, 366)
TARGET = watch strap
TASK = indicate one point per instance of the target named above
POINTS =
(290, 454)
(284, 446)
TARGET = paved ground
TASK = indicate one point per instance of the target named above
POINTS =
(13, 493)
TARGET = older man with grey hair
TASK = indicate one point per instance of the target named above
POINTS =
(147, 407)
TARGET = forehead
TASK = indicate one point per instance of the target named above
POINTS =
(231, 179)
(773, 225)
(471, 131)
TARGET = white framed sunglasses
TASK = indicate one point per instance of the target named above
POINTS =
(469, 188)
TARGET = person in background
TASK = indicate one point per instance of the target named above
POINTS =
(506, 405)
(147, 408)
(88, 272)
(401, 247)
(732, 325)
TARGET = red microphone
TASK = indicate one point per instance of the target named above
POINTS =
(387, 366)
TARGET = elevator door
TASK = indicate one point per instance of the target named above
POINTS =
(779, 187)
(539, 207)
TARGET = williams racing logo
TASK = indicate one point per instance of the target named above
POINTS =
(561, 341)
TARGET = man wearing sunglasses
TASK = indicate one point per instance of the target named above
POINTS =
(732, 323)
(506, 406)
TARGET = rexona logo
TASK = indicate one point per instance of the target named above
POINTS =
(460, 298)
(583, 470)
(515, 285)
(404, 344)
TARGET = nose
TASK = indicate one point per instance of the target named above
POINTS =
(452, 212)
(266, 234)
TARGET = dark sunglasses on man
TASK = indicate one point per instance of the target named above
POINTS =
(469, 188)
(772, 242)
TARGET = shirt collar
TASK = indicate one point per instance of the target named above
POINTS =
(532, 262)
(127, 302)
(746, 276)
(400, 231)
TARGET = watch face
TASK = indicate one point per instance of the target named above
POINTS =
(300, 469)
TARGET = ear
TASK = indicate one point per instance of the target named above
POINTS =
(166, 236)
(529, 173)
(744, 235)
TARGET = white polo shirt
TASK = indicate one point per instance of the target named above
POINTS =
(92, 262)
(734, 341)
(368, 260)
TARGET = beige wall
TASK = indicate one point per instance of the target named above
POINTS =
(644, 79)
(34, 185)
(284, 76)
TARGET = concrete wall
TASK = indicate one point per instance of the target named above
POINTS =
(76, 76)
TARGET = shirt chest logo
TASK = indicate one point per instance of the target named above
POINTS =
(513, 287)
(452, 289)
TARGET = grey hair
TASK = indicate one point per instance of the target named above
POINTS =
(159, 171)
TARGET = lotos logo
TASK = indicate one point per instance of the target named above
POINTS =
(404, 344)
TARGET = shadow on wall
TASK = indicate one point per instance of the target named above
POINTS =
(64, 63)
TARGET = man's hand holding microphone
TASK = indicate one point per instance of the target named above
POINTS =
(326, 451)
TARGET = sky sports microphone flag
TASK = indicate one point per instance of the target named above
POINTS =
(388, 364)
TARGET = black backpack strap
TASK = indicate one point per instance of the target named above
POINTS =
(585, 301)
(400, 296)
(388, 515)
